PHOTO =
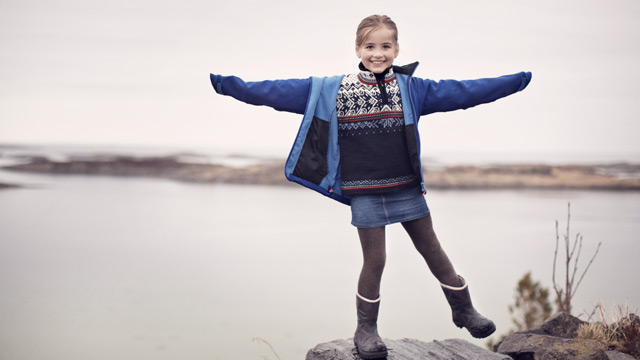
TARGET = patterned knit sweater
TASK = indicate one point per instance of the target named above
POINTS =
(373, 141)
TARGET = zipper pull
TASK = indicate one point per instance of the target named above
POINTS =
(383, 90)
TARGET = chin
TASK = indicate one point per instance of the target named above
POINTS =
(378, 68)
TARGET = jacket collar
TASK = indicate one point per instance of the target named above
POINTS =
(406, 69)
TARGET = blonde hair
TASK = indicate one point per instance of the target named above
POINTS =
(372, 23)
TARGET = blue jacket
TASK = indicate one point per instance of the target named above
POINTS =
(314, 160)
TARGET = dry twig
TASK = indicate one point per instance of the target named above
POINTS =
(566, 294)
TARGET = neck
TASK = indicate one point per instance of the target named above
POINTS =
(382, 74)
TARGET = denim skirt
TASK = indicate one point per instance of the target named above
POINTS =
(377, 210)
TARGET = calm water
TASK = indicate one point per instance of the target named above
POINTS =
(111, 268)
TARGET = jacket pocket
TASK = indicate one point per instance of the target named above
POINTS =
(312, 163)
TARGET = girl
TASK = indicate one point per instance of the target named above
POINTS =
(359, 144)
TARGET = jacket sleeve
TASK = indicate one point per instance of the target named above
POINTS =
(448, 95)
(283, 95)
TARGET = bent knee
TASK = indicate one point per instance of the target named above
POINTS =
(375, 264)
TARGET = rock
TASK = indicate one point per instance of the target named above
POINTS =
(407, 349)
(528, 346)
(617, 355)
(562, 325)
(334, 350)
(556, 339)
(632, 318)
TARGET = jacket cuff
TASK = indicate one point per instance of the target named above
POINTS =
(215, 82)
(526, 78)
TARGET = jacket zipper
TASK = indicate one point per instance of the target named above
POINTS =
(415, 124)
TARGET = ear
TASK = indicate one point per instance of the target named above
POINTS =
(358, 51)
(397, 51)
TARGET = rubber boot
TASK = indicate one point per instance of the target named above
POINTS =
(366, 338)
(464, 315)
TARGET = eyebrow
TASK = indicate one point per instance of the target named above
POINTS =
(384, 43)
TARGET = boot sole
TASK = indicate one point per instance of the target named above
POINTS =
(372, 355)
(478, 334)
(482, 333)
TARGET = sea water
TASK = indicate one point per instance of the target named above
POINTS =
(126, 268)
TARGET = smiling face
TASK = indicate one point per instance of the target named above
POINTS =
(378, 50)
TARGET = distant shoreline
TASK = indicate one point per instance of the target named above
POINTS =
(8, 186)
(613, 177)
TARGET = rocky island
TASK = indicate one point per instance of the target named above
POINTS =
(7, 186)
(621, 176)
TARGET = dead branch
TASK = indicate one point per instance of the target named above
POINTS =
(572, 253)
(588, 265)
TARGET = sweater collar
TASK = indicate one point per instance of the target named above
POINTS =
(370, 78)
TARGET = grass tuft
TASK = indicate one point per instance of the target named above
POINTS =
(618, 330)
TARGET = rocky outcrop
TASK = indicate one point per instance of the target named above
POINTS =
(523, 346)
(556, 339)
(407, 349)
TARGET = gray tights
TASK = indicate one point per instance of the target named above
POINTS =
(425, 241)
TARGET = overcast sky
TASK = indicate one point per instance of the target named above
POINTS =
(136, 72)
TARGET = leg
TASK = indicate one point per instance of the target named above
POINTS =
(374, 256)
(427, 244)
(366, 338)
(464, 314)
(454, 286)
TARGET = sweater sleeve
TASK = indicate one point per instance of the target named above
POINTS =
(283, 95)
(448, 95)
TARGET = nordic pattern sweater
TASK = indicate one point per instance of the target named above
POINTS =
(371, 133)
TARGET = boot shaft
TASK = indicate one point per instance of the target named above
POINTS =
(367, 309)
(458, 298)
(463, 312)
(366, 338)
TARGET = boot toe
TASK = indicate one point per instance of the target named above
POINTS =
(477, 325)
(482, 329)
(373, 349)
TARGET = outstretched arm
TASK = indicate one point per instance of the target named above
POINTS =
(283, 95)
(447, 95)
